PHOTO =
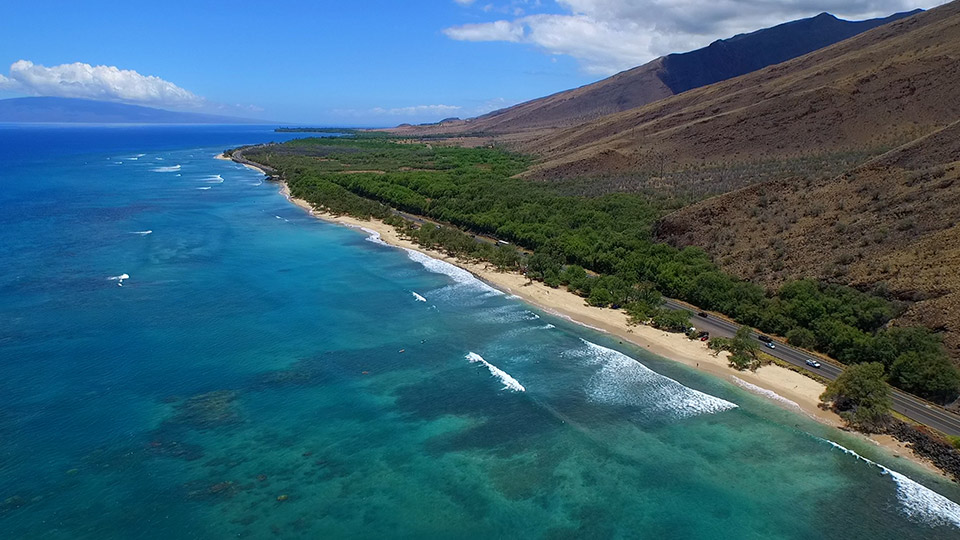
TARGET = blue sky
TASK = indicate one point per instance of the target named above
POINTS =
(376, 62)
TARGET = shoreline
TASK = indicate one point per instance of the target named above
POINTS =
(778, 385)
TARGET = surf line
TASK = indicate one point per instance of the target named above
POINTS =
(508, 381)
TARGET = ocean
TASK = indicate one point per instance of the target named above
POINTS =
(185, 354)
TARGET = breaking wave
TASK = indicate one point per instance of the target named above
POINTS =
(141, 233)
(917, 502)
(119, 279)
(437, 266)
(214, 179)
(766, 393)
(204, 188)
(621, 380)
(456, 273)
(373, 236)
(166, 169)
(418, 297)
(508, 381)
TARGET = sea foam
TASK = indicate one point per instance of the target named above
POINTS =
(918, 502)
(119, 279)
(173, 168)
(214, 179)
(505, 378)
(766, 393)
(621, 380)
(141, 233)
(418, 297)
(456, 273)
(437, 266)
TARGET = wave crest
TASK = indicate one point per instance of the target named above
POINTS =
(621, 380)
(917, 501)
(508, 381)
(166, 169)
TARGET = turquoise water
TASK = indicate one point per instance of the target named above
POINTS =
(263, 374)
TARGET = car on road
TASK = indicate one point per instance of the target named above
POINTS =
(702, 314)
(769, 345)
(813, 364)
(765, 339)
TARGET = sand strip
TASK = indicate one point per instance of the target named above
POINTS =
(791, 389)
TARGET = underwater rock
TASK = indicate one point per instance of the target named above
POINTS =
(12, 503)
(201, 490)
(174, 449)
(208, 410)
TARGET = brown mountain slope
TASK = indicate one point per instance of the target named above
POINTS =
(879, 89)
(894, 221)
(663, 77)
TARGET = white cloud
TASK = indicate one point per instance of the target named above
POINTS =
(108, 83)
(607, 36)
(494, 31)
(416, 110)
(412, 113)
(464, 2)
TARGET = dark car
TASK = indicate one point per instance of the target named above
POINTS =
(702, 314)
(765, 339)
(813, 364)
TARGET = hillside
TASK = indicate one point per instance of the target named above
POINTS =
(893, 224)
(872, 92)
(667, 76)
(72, 110)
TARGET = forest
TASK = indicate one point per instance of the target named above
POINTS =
(599, 247)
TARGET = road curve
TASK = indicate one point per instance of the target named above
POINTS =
(908, 405)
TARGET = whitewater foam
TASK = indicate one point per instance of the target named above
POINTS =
(621, 380)
(766, 393)
(418, 297)
(456, 273)
(459, 275)
(142, 233)
(119, 279)
(508, 381)
(173, 168)
(373, 236)
(203, 188)
(214, 179)
(917, 501)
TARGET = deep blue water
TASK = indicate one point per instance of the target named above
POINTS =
(247, 380)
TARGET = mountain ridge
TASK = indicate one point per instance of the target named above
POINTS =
(76, 110)
(666, 76)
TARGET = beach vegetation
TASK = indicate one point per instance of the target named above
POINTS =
(744, 350)
(671, 320)
(599, 246)
(861, 396)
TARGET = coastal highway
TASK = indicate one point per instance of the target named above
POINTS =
(905, 404)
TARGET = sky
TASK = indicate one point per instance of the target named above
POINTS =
(362, 62)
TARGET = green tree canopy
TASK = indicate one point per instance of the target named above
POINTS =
(861, 396)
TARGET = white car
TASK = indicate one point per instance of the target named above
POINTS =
(813, 364)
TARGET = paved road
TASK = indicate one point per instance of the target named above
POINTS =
(905, 404)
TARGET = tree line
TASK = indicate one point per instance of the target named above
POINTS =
(598, 247)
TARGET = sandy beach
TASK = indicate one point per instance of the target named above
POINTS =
(783, 387)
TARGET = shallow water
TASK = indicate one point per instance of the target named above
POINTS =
(246, 379)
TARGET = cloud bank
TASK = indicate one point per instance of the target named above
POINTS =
(107, 83)
(607, 36)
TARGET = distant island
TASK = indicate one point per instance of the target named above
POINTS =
(88, 111)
